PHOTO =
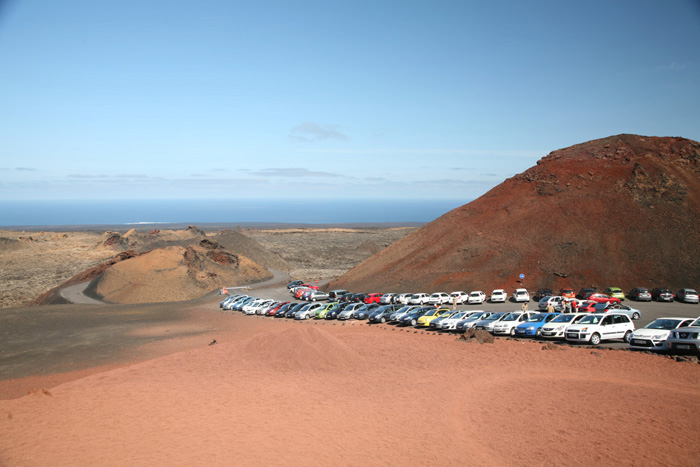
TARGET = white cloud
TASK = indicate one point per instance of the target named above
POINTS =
(309, 132)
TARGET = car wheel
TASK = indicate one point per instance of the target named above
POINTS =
(635, 316)
(512, 331)
(595, 338)
(628, 336)
(413, 322)
(383, 320)
(538, 333)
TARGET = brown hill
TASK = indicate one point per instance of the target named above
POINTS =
(176, 273)
(620, 211)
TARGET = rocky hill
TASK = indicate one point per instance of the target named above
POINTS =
(620, 211)
(176, 273)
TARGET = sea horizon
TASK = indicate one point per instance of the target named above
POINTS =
(141, 212)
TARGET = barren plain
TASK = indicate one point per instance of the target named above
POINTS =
(183, 383)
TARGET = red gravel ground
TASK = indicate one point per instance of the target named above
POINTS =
(275, 392)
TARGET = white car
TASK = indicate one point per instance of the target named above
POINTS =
(248, 307)
(685, 339)
(438, 298)
(521, 295)
(476, 297)
(653, 336)
(499, 296)
(387, 298)
(460, 296)
(450, 323)
(595, 328)
(509, 322)
(404, 298)
(418, 299)
(556, 328)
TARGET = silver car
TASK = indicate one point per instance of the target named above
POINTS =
(686, 339)
(488, 323)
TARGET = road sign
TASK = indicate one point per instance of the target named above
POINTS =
(522, 276)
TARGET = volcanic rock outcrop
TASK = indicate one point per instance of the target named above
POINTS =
(176, 273)
(620, 211)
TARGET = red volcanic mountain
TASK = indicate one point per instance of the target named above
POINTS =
(620, 211)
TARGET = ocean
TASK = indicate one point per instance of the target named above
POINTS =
(219, 211)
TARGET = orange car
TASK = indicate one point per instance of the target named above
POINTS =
(567, 293)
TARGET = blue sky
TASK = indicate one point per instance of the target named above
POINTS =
(267, 99)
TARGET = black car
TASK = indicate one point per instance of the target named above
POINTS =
(364, 311)
(381, 314)
(411, 319)
(291, 311)
(541, 293)
(662, 294)
(333, 312)
(585, 292)
(293, 284)
(640, 294)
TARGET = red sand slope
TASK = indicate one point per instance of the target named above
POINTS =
(312, 394)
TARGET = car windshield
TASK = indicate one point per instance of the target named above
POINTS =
(511, 317)
(663, 323)
(590, 319)
(494, 317)
(565, 318)
(474, 317)
(696, 322)
(535, 318)
(459, 315)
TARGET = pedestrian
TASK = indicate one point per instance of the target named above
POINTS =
(524, 307)
(574, 306)
(567, 307)
(550, 307)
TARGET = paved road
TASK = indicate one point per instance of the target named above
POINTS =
(75, 294)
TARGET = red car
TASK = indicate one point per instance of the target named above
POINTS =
(314, 287)
(586, 306)
(567, 293)
(373, 298)
(273, 310)
(299, 291)
(602, 298)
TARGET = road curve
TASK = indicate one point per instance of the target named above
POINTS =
(75, 294)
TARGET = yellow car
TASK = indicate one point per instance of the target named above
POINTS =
(424, 321)
(321, 313)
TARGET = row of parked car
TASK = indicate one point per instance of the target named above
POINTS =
(610, 295)
(606, 322)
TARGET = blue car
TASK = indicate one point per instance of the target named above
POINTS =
(533, 326)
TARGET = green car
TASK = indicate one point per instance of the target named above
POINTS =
(321, 312)
(615, 292)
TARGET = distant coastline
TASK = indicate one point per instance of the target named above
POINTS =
(216, 214)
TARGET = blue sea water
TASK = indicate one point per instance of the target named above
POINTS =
(125, 212)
